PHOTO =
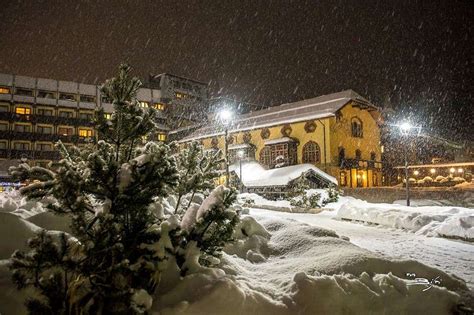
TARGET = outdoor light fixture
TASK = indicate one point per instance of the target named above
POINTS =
(452, 170)
(225, 117)
(460, 170)
(416, 173)
(406, 129)
(432, 171)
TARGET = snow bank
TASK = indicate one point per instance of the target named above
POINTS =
(451, 222)
(13, 202)
(306, 270)
(284, 205)
(14, 233)
(51, 221)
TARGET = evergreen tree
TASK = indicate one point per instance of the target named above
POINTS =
(197, 172)
(118, 249)
(106, 189)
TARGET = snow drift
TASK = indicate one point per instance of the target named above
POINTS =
(451, 222)
(285, 267)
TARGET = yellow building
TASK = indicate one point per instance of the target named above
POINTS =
(338, 133)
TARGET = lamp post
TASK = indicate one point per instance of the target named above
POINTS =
(225, 116)
(406, 129)
(241, 156)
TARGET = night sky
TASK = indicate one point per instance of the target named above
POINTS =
(415, 55)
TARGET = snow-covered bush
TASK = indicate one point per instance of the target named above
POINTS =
(122, 239)
(428, 179)
(421, 182)
(412, 180)
(439, 178)
(459, 180)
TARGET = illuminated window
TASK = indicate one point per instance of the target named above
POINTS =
(85, 133)
(181, 95)
(4, 90)
(159, 106)
(108, 116)
(46, 130)
(65, 131)
(23, 110)
(144, 104)
(21, 146)
(161, 137)
(23, 128)
(342, 179)
(311, 153)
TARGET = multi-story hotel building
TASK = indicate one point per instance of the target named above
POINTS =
(36, 112)
(338, 133)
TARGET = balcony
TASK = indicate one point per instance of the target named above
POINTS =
(359, 164)
(46, 101)
(47, 155)
(5, 97)
(6, 115)
(17, 135)
(68, 139)
(46, 137)
(24, 99)
(40, 119)
(18, 154)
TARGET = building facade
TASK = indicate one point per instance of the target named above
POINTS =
(338, 133)
(37, 112)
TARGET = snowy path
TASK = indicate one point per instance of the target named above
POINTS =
(453, 257)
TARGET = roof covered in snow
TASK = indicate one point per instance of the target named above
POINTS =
(313, 108)
(255, 175)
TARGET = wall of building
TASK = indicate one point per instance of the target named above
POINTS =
(330, 133)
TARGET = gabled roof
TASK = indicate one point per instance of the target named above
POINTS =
(314, 108)
(255, 175)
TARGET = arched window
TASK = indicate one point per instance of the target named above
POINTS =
(342, 155)
(356, 127)
(265, 156)
(311, 153)
(373, 156)
(358, 154)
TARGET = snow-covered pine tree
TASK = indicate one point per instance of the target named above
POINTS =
(106, 188)
(197, 171)
(113, 261)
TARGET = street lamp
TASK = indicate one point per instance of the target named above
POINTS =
(406, 129)
(225, 117)
(241, 153)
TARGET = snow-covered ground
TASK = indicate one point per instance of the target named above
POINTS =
(453, 257)
(288, 263)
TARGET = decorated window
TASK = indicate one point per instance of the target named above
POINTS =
(159, 106)
(356, 127)
(161, 137)
(265, 133)
(311, 153)
(265, 156)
